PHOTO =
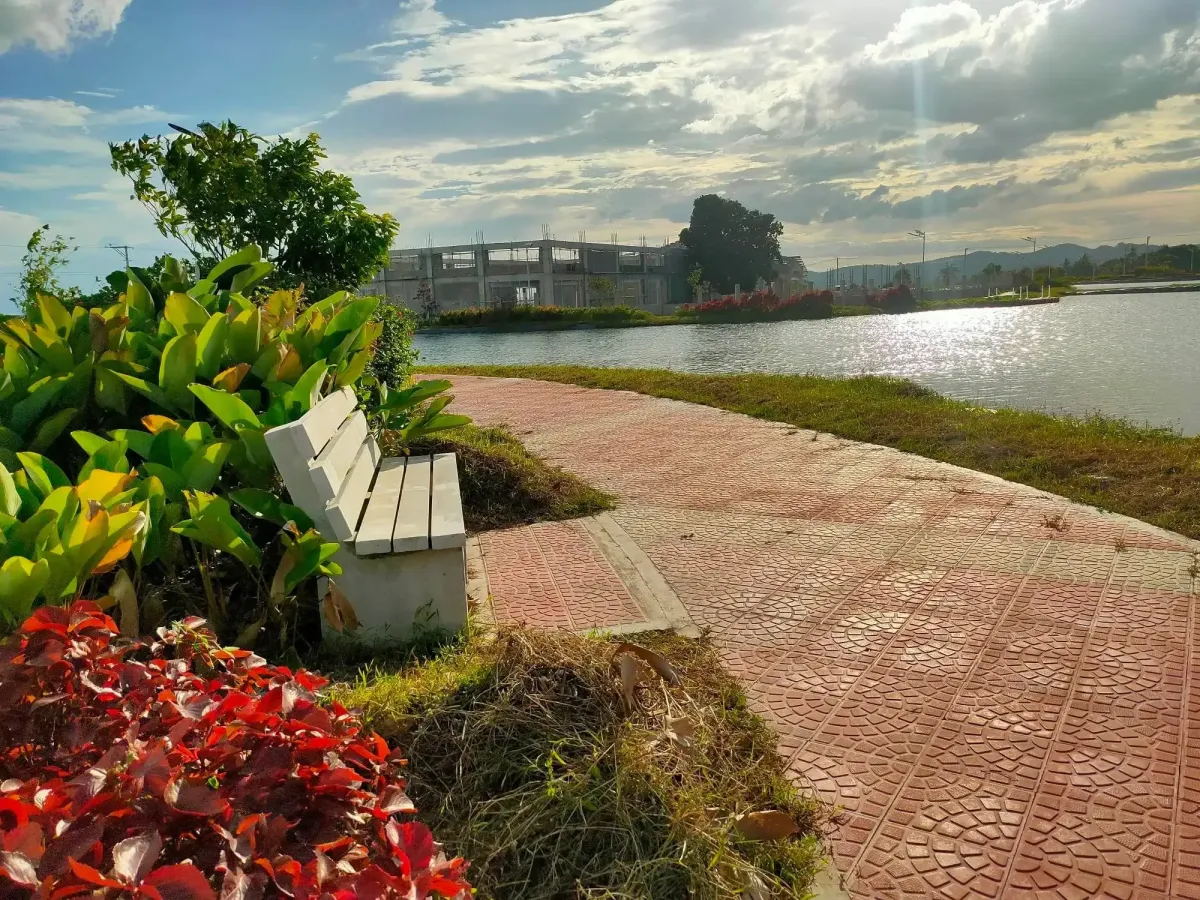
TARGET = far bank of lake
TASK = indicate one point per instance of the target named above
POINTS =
(1129, 356)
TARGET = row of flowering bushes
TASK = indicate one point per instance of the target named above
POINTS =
(894, 299)
(172, 769)
(763, 306)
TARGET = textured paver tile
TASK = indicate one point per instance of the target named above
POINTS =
(998, 688)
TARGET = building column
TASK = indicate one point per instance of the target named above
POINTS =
(481, 274)
(546, 282)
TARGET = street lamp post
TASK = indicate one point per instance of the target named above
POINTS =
(921, 274)
(1034, 241)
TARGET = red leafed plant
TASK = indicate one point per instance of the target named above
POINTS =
(178, 770)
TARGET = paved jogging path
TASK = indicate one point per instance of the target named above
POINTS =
(999, 687)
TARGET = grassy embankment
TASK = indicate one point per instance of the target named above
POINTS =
(526, 759)
(504, 485)
(1149, 474)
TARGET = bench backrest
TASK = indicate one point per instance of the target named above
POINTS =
(332, 468)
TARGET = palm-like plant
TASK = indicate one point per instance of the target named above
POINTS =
(947, 273)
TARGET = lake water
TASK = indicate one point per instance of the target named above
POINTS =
(1136, 356)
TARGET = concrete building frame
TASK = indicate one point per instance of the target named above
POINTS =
(544, 272)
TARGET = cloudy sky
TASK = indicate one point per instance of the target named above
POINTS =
(854, 121)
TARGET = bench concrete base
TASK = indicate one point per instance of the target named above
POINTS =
(397, 598)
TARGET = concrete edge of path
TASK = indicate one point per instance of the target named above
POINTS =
(663, 609)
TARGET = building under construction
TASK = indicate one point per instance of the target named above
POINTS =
(535, 273)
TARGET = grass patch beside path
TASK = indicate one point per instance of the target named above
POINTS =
(1149, 474)
(504, 485)
(524, 760)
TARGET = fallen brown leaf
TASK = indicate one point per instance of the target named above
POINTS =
(767, 825)
(681, 730)
(656, 661)
(627, 669)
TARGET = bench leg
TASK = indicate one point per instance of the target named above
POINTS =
(397, 597)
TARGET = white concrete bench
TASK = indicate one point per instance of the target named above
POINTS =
(400, 521)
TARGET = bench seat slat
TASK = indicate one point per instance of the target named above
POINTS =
(344, 511)
(379, 521)
(412, 516)
(446, 528)
(333, 463)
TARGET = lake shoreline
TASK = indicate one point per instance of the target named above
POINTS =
(672, 320)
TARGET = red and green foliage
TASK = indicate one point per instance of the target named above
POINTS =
(177, 770)
(764, 306)
(894, 299)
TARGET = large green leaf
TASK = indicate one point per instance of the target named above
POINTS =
(138, 296)
(44, 475)
(185, 314)
(54, 315)
(266, 505)
(48, 430)
(307, 390)
(351, 370)
(89, 442)
(177, 370)
(212, 523)
(348, 320)
(246, 256)
(210, 347)
(10, 500)
(245, 336)
(139, 442)
(201, 472)
(150, 391)
(171, 480)
(109, 458)
(110, 391)
(21, 580)
(40, 397)
(251, 275)
(169, 448)
(230, 409)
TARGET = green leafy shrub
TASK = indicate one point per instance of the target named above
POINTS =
(394, 353)
(474, 316)
(171, 389)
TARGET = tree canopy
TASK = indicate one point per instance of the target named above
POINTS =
(730, 244)
(221, 187)
(44, 258)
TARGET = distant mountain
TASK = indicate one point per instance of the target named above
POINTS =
(1048, 256)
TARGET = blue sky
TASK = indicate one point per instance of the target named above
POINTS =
(980, 121)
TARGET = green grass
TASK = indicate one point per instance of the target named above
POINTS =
(524, 760)
(988, 302)
(504, 485)
(1149, 474)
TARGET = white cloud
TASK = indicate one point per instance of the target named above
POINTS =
(104, 95)
(54, 26)
(419, 18)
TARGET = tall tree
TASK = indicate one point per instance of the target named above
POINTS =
(221, 187)
(731, 244)
(44, 258)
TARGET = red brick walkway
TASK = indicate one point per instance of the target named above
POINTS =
(999, 687)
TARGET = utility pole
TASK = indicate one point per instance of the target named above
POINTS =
(921, 274)
(1146, 258)
(1034, 241)
(123, 249)
(963, 275)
